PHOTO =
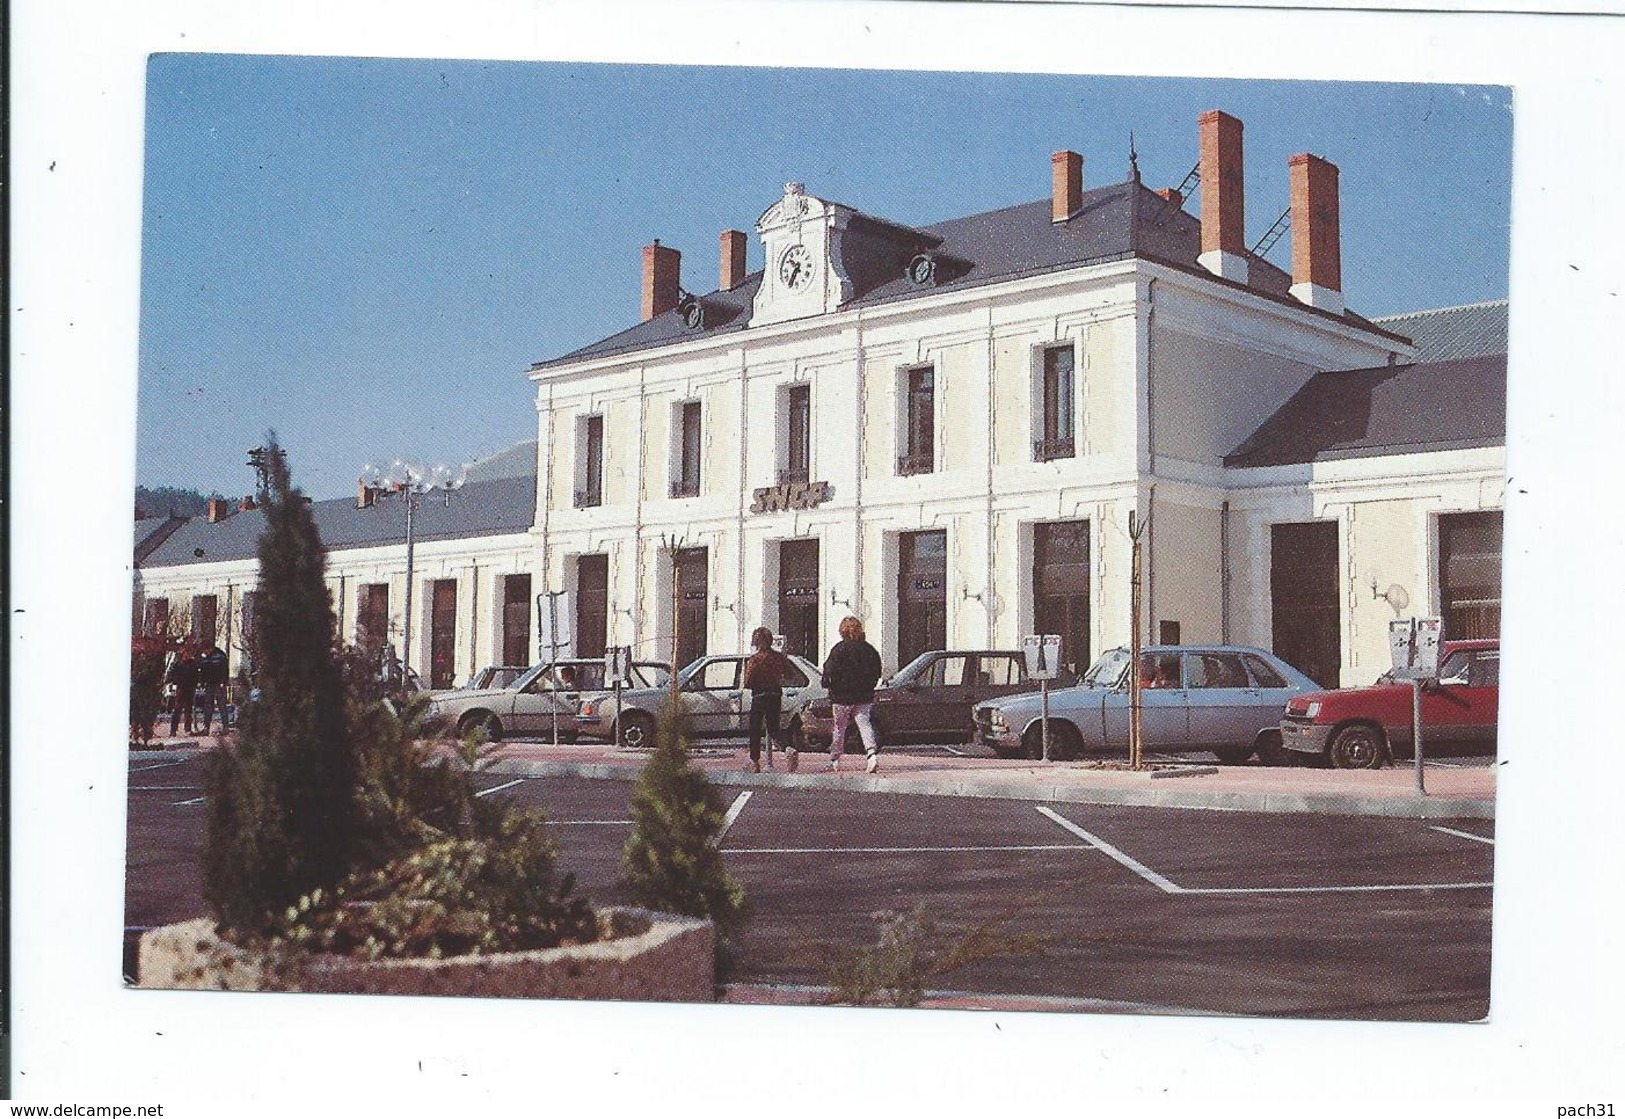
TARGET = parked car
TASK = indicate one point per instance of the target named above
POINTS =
(527, 706)
(934, 696)
(494, 676)
(711, 689)
(1361, 728)
(1226, 699)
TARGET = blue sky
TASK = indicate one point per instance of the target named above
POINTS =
(366, 255)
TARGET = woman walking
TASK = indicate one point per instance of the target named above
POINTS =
(851, 672)
(765, 674)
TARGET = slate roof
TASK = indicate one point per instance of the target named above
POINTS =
(1399, 409)
(1473, 330)
(492, 507)
(1116, 222)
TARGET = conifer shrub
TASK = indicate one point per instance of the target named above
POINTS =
(335, 823)
(281, 805)
(671, 861)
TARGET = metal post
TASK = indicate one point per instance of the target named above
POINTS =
(1136, 745)
(620, 743)
(553, 655)
(1043, 691)
(1416, 734)
(406, 625)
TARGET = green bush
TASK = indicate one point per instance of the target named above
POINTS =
(910, 949)
(671, 861)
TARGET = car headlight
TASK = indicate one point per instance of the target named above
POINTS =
(996, 721)
(1312, 710)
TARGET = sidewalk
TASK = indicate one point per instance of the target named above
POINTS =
(1453, 791)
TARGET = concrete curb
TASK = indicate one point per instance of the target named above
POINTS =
(1145, 791)
(1159, 796)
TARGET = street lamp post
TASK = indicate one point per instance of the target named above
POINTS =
(410, 482)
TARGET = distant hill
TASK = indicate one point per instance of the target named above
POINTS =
(170, 501)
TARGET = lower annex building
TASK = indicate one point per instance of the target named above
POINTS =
(947, 431)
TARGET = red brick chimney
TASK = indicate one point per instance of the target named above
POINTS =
(733, 260)
(1317, 255)
(219, 510)
(1066, 185)
(661, 264)
(365, 495)
(1224, 214)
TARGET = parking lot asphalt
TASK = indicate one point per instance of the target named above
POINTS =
(1453, 789)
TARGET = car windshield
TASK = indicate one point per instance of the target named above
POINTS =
(1108, 670)
(529, 677)
(913, 668)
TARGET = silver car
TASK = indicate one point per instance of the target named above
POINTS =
(1227, 699)
(712, 691)
(529, 704)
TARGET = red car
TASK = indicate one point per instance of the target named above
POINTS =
(1361, 728)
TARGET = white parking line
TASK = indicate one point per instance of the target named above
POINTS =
(590, 823)
(902, 850)
(1463, 834)
(499, 788)
(163, 788)
(158, 765)
(734, 810)
(1335, 889)
(1168, 886)
(188, 803)
(1105, 848)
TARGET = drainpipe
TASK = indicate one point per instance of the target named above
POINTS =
(1224, 573)
(857, 486)
(1150, 451)
(988, 582)
(744, 488)
(474, 622)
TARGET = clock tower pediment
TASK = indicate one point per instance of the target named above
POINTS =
(804, 274)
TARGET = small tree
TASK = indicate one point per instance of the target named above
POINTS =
(671, 861)
(281, 805)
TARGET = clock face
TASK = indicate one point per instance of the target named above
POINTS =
(796, 267)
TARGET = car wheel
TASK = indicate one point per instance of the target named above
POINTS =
(637, 731)
(1356, 747)
(482, 723)
(1233, 755)
(1270, 750)
(1064, 743)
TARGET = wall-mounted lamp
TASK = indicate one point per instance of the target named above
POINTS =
(1395, 596)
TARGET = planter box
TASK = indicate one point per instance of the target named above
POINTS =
(652, 957)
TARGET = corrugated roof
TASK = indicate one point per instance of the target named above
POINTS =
(491, 507)
(1400, 409)
(1449, 333)
(1115, 222)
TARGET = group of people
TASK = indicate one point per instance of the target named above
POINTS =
(193, 673)
(850, 674)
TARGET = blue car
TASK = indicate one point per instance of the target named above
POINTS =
(1227, 699)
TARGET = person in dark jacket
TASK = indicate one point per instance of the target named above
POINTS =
(766, 673)
(851, 672)
(183, 678)
(211, 677)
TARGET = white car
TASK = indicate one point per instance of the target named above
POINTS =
(712, 690)
(528, 706)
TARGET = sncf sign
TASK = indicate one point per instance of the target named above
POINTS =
(791, 495)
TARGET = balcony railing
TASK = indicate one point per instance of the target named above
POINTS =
(588, 499)
(914, 464)
(680, 488)
(1046, 449)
